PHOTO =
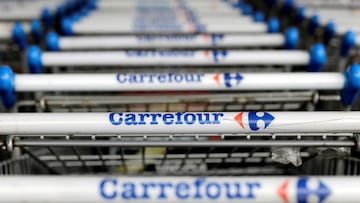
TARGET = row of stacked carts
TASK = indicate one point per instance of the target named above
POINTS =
(179, 100)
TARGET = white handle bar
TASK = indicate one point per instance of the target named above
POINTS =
(95, 189)
(179, 123)
(315, 59)
(179, 81)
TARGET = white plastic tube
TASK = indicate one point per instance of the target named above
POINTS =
(114, 28)
(179, 81)
(178, 123)
(95, 189)
(175, 58)
(168, 41)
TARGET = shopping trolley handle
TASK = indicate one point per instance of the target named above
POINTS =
(348, 82)
(291, 40)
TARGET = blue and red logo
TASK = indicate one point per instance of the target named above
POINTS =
(305, 189)
(216, 55)
(230, 79)
(254, 119)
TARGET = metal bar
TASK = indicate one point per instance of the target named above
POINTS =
(40, 162)
(251, 143)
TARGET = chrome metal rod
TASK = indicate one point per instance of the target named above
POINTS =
(251, 143)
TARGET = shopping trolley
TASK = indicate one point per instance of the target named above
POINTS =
(171, 91)
(38, 61)
(96, 189)
(288, 40)
(167, 19)
(182, 143)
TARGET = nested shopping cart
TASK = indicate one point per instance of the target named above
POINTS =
(332, 25)
(96, 189)
(168, 18)
(182, 143)
(288, 40)
(74, 61)
(179, 91)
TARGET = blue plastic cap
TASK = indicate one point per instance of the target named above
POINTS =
(66, 26)
(70, 6)
(247, 10)
(239, 4)
(317, 58)
(291, 38)
(75, 17)
(52, 41)
(273, 25)
(329, 32)
(46, 17)
(314, 23)
(352, 85)
(92, 4)
(60, 12)
(288, 5)
(347, 43)
(19, 35)
(33, 57)
(84, 12)
(300, 14)
(36, 30)
(259, 17)
(7, 87)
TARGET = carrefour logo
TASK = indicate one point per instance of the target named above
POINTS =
(179, 118)
(230, 79)
(255, 120)
(307, 190)
(160, 78)
(198, 189)
(150, 53)
(152, 38)
(217, 55)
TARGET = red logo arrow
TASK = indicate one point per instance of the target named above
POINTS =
(206, 38)
(239, 119)
(217, 78)
(282, 191)
(207, 54)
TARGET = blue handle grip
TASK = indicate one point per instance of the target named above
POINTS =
(347, 43)
(36, 30)
(273, 25)
(259, 17)
(291, 38)
(19, 35)
(317, 58)
(52, 41)
(7, 87)
(34, 59)
(352, 85)
(329, 32)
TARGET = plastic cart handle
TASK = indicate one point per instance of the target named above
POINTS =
(349, 82)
